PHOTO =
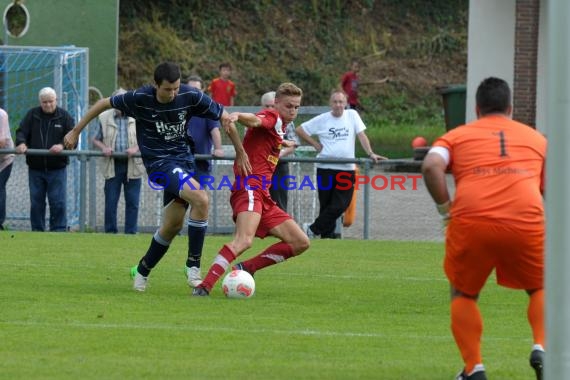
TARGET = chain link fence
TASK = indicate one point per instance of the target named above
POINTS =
(390, 211)
(302, 205)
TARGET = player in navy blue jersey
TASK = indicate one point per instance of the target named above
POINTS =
(161, 111)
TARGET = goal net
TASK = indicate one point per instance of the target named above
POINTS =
(24, 70)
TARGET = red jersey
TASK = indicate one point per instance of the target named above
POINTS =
(498, 165)
(262, 145)
(222, 91)
(349, 83)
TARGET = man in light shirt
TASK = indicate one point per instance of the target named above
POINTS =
(337, 131)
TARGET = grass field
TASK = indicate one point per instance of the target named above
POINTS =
(344, 310)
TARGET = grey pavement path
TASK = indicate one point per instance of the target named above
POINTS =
(408, 214)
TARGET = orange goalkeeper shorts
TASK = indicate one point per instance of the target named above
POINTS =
(474, 249)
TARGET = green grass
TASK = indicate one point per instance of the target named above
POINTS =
(395, 141)
(344, 310)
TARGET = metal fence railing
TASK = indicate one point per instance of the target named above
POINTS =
(88, 179)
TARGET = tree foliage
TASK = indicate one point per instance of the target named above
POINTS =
(418, 44)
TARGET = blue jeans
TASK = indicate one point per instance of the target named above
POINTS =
(132, 189)
(52, 183)
(4, 175)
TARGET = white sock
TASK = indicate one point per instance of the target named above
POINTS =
(478, 368)
(538, 347)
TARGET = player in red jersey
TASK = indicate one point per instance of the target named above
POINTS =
(496, 220)
(254, 212)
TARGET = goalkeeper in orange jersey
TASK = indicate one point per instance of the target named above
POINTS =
(496, 219)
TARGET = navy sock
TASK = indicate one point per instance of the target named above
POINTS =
(196, 234)
(157, 249)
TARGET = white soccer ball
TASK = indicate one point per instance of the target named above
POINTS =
(238, 284)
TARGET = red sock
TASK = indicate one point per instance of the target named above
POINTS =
(467, 328)
(535, 313)
(219, 267)
(272, 255)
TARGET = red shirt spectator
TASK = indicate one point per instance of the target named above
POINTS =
(222, 89)
(349, 84)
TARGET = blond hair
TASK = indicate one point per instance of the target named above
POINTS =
(288, 89)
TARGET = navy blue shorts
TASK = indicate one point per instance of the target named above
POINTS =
(170, 177)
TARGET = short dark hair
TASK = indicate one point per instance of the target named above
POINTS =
(225, 64)
(166, 71)
(493, 96)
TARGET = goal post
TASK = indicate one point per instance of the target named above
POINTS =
(24, 70)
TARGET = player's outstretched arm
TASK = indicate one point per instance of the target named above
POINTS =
(242, 159)
(248, 120)
(71, 138)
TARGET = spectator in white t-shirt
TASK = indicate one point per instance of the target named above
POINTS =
(336, 131)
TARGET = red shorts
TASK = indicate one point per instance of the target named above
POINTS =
(258, 201)
(474, 249)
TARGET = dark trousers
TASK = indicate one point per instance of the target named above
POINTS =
(334, 199)
(53, 184)
(132, 190)
(4, 175)
(279, 184)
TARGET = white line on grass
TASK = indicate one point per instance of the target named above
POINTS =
(317, 333)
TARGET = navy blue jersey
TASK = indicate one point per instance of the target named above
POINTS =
(161, 127)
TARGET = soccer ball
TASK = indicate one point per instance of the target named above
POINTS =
(419, 142)
(238, 284)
